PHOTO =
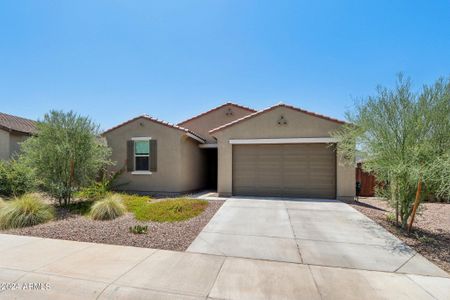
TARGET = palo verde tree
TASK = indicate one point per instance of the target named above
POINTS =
(67, 153)
(404, 138)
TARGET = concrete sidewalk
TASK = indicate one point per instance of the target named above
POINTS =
(76, 270)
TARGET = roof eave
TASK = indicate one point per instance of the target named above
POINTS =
(188, 132)
(261, 112)
(216, 108)
(5, 128)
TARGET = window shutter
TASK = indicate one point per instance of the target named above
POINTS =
(153, 155)
(130, 156)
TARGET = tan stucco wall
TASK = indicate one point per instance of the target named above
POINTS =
(14, 142)
(203, 124)
(10, 143)
(345, 181)
(192, 165)
(170, 157)
(265, 126)
(4, 144)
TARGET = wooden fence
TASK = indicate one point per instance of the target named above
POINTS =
(367, 182)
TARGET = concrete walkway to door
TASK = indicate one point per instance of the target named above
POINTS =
(313, 232)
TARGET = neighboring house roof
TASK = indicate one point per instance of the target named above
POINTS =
(164, 123)
(14, 123)
(272, 108)
(216, 108)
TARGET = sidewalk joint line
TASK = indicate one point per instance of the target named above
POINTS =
(215, 279)
(297, 244)
(126, 272)
(420, 286)
(315, 282)
(406, 262)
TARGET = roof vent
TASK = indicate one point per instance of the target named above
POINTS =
(282, 120)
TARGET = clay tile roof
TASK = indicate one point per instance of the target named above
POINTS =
(19, 124)
(152, 119)
(271, 108)
(216, 108)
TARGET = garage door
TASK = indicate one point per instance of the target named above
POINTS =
(292, 170)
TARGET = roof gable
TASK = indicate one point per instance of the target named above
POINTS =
(250, 110)
(261, 112)
(14, 123)
(215, 117)
(164, 123)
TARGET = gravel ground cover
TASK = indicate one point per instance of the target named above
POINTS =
(431, 230)
(170, 236)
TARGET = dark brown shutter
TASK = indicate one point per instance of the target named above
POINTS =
(130, 156)
(153, 155)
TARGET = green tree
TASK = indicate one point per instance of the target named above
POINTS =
(16, 178)
(404, 138)
(67, 153)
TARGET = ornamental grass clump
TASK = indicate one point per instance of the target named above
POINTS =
(28, 210)
(109, 208)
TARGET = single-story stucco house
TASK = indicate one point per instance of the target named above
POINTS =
(278, 151)
(13, 131)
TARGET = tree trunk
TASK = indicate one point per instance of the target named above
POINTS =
(69, 189)
(396, 211)
(394, 195)
(416, 203)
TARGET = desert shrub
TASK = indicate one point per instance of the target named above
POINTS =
(135, 202)
(390, 217)
(16, 178)
(139, 229)
(28, 210)
(80, 207)
(169, 210)
(424, 239)
(403, 136)
(109, 208)
(100, 189)
(67, 153)
(95, 192)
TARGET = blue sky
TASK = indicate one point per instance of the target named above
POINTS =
(113, 60)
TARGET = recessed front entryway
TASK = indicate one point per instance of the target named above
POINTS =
(286, 170)
(210, 157)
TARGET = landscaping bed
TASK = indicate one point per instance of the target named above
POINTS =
(431, 230)
(171, 224)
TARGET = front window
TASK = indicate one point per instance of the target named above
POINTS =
(142, 155)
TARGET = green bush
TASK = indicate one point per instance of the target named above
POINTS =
(94, 192)
(28, 210)
(15, 178)
(139, 229)
(390, 217)
(80, 207)
(67, 154)
(168, 210)
(109, 208)
(134, 202)
(100, 189)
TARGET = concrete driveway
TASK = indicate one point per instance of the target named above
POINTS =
(313, 232)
